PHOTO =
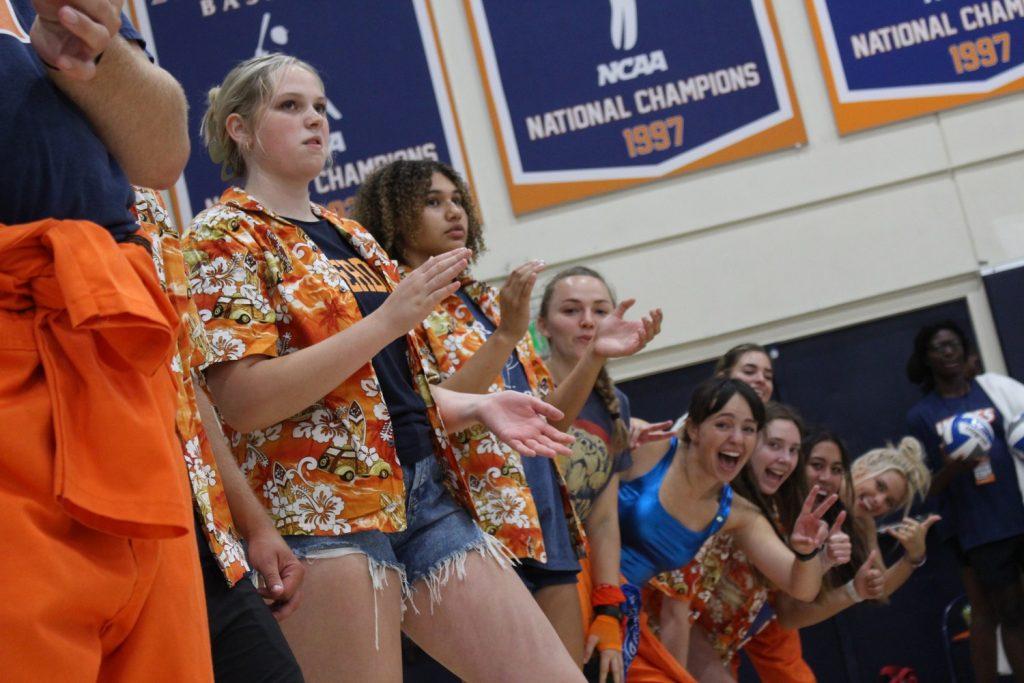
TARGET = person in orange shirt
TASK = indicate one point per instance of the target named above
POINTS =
(101, 575)
(325, 396)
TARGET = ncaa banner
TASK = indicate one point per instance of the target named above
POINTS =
(384, 78)
(887, 61)
(590, 96)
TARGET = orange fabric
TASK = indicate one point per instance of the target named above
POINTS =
(500, 495)
(104, 333)
(78, 604)
(606, 594)
(778, 656)
(608, 631)
(653, 663)
(193, 350)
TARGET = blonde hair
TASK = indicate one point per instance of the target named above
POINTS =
(245, 91)
(907, 458)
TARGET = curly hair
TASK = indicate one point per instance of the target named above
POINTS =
(391, 199)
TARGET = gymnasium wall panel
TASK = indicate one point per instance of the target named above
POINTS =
(797, 263)
(993, 202)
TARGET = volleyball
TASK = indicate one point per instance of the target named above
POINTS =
(967, 434)
(1015, 437)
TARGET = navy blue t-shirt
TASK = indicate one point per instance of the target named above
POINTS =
(982, 513)
(54, 165)
(408, 411)
(540, 472)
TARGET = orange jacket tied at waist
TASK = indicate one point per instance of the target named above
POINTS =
(104, 332)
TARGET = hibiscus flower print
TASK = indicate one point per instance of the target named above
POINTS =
(505, 506)
(218, 276)
(224, 346)
(320, 510)
(323, 426)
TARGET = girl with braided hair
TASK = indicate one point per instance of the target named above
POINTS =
(576, 303)
(479, 344)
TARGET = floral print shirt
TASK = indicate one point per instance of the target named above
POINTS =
(263, 287)
(208, 494)
(497, 482)
(726, 593)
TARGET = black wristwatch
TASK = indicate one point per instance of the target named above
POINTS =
(609, 610)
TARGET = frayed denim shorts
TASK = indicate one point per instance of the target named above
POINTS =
(434, 545)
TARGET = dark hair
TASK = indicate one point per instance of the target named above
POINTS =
(918, 370)
(837, 576)
(604, 386)
(789, 499)
(731, 357)
(391, 198)
(712, 394)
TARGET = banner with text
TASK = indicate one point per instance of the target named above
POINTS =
(384, 79)
(590, 97)
(887, 61)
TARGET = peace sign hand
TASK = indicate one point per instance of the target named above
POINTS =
(810, 531)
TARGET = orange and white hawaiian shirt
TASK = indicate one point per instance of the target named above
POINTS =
(497, 483)
(208, 493)
(263, 287)
(726, 593)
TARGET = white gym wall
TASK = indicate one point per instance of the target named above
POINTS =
(785, 245)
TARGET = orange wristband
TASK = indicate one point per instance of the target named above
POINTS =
(608, 632)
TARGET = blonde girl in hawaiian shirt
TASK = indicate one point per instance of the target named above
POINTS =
(478, 338)
(326, 401)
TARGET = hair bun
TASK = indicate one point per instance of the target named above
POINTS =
(211, 95)
(911, 448)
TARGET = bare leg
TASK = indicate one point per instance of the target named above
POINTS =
(561, 605)
(338, 633)
(983, 630)
(703, 662)
(486, 627)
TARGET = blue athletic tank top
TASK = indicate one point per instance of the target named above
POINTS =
(654, 541)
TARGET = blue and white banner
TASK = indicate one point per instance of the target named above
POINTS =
(387, 96)
(624, 91)
(906, 58)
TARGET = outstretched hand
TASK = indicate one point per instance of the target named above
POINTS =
(514, 299)
(521, 421)
(616, 337)
(70, 34)
(810, 531)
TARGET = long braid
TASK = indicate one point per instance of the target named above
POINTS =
(605, 388)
